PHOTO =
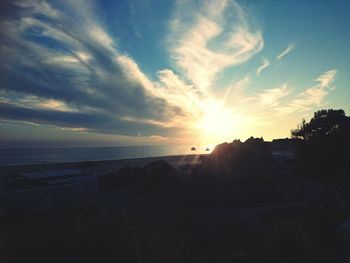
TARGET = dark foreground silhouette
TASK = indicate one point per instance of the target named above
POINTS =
(252, 201)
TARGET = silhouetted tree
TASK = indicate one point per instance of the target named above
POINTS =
(324, 123)
(326, 144)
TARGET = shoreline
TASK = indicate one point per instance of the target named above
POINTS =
(31, 156)
(92, 160)
(99, 166)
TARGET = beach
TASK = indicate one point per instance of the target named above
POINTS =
(100, 213)
(99, 167)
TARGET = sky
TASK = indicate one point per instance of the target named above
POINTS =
(136, 72)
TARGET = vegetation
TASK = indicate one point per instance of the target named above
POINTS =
(324, 124)
(167, 234)
(239, 204)
(249, 158)
(325, 151)
(155, 176)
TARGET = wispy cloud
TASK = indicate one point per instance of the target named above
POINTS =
(62, 67)
(326, 79)
(271, 97)
(289, 49)
(261, 102)
(204, 40)
(85, 81)
(264, 65)
(312, 97)
(266, 106)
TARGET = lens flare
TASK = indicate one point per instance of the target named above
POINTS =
(216, 123)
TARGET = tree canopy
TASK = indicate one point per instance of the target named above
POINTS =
(326, 137)
(324, 123)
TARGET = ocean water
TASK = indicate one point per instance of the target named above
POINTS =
(57, 155)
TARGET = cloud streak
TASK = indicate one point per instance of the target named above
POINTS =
(61, 66)
(264, 65)
(312, 97)
(206, 41)
(289, 49)
(55, 67)
(269, 105)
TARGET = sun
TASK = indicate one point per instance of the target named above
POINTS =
(217, 123)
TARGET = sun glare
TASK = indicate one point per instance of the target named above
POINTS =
(217, 123)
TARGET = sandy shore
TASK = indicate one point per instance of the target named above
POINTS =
(99, 167)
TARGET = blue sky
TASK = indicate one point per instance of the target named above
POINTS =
(77, 73)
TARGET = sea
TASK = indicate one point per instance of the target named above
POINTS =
(15, 156)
